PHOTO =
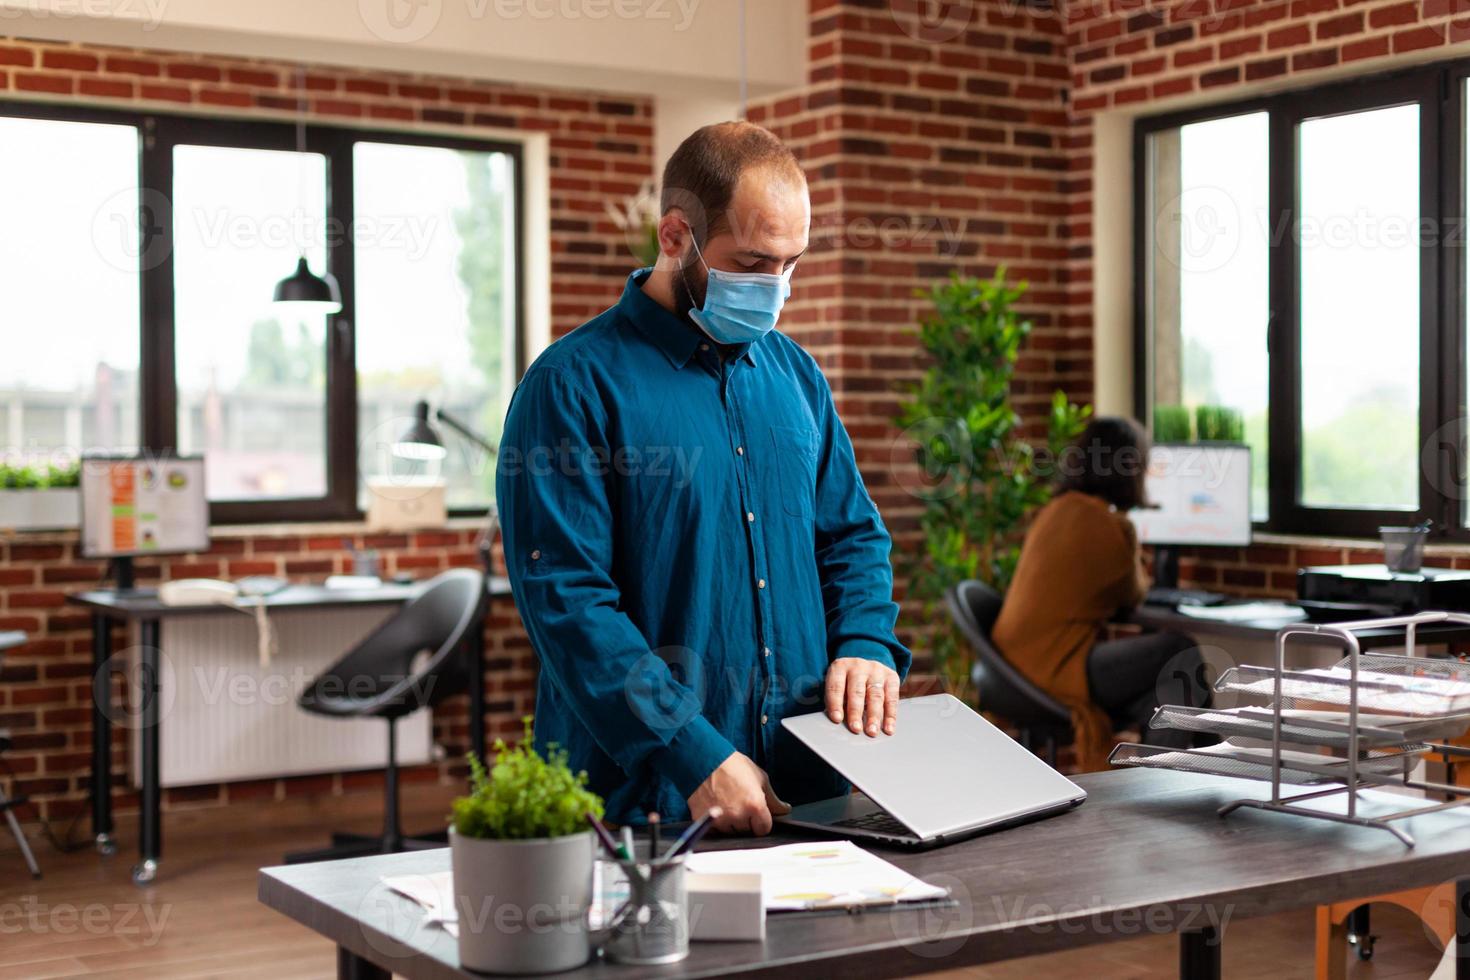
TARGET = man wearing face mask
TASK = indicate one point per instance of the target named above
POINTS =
(691, 547)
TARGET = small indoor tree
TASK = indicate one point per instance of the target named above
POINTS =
(980, 478)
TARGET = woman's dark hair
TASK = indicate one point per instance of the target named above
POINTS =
(1108, 460)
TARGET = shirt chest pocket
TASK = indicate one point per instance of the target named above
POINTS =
(794, 452)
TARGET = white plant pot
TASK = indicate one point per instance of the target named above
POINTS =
(522, 904)
(40, 510)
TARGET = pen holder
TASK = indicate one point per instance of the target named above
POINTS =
(652, 926)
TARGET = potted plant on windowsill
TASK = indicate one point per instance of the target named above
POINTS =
(522, 853)
(34, 498)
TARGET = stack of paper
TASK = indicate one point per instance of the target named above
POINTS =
(822, 874)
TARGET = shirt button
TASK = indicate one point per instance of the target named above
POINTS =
(749, 516)
(760, 584)
(766, 651)
(536, 555)
(764, 719)
(739, 450)
(704, 346)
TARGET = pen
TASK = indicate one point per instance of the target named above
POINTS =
(602, 834)
(691, 836)
(652, 837)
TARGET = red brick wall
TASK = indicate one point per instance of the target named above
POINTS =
(927, 152)
(600, 150)
(1138, 55)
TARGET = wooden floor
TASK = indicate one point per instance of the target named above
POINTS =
(201, 919)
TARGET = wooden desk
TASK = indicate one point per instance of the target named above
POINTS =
(142, 606)
(1145, 854)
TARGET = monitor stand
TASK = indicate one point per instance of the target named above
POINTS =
(1166, 566)
(124, 582)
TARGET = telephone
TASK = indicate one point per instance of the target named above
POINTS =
(198, 592)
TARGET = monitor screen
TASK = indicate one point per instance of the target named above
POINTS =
(136, 505)
(1200, 495)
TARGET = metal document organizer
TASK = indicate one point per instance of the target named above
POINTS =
(1375, 749)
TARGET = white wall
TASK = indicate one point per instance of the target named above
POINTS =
(683, 48)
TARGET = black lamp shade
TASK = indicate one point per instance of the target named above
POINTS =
(419, 440)
(303, 286)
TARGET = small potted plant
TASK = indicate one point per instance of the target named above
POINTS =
(522, 854)
(34, 498)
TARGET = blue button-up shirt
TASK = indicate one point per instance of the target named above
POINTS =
(690, 545)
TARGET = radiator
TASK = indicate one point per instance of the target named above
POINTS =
(226, 718)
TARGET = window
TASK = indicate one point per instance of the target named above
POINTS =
(144, 283)
(1291, 252)
(251, 378)
(69, 289)
(435, 318)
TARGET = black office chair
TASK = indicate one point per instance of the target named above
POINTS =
(378, 679)
(1002, 689)
(10, 640)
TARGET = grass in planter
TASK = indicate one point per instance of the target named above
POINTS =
(525, 797)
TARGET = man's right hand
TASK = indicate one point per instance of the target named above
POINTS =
(741, 789)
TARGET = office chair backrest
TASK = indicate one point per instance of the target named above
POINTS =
(1003, 690)
(378, 676)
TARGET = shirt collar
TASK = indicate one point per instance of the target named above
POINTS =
(676, 338)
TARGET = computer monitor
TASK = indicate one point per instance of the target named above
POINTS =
(143, 505)
(1199, 495)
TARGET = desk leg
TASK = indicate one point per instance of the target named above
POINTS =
(150, 835)
(474, 651)
(1462, 929)
(1199, 954)
(102, 734)
(350, 966)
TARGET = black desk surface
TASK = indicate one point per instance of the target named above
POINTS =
(1145, 854)
(1169, 618)
(144, 603)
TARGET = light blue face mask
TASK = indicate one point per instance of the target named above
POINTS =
(740, 307)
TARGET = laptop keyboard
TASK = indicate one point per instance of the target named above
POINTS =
(878, 823)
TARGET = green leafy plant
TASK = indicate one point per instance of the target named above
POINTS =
(980, 478)
(1215, 423)
(523, 796)
(17, 477)
(1172, 424)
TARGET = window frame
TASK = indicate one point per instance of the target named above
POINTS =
(159, 133)
(1438, 89)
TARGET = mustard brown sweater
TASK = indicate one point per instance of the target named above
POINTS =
(1080, 564)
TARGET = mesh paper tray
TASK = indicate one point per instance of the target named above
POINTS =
(1297, 768)
(1378, 693)
(1326, 728)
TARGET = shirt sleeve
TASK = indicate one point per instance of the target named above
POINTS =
(552, 495)
(853, 550)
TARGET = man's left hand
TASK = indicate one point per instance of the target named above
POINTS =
(864, 693)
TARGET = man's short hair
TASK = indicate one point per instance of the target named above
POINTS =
(701, 176)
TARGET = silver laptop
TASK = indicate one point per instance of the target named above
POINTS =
(945, 774)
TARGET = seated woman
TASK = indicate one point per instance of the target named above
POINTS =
(1080, 565)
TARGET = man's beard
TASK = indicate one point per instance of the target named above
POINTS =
(688, 295)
